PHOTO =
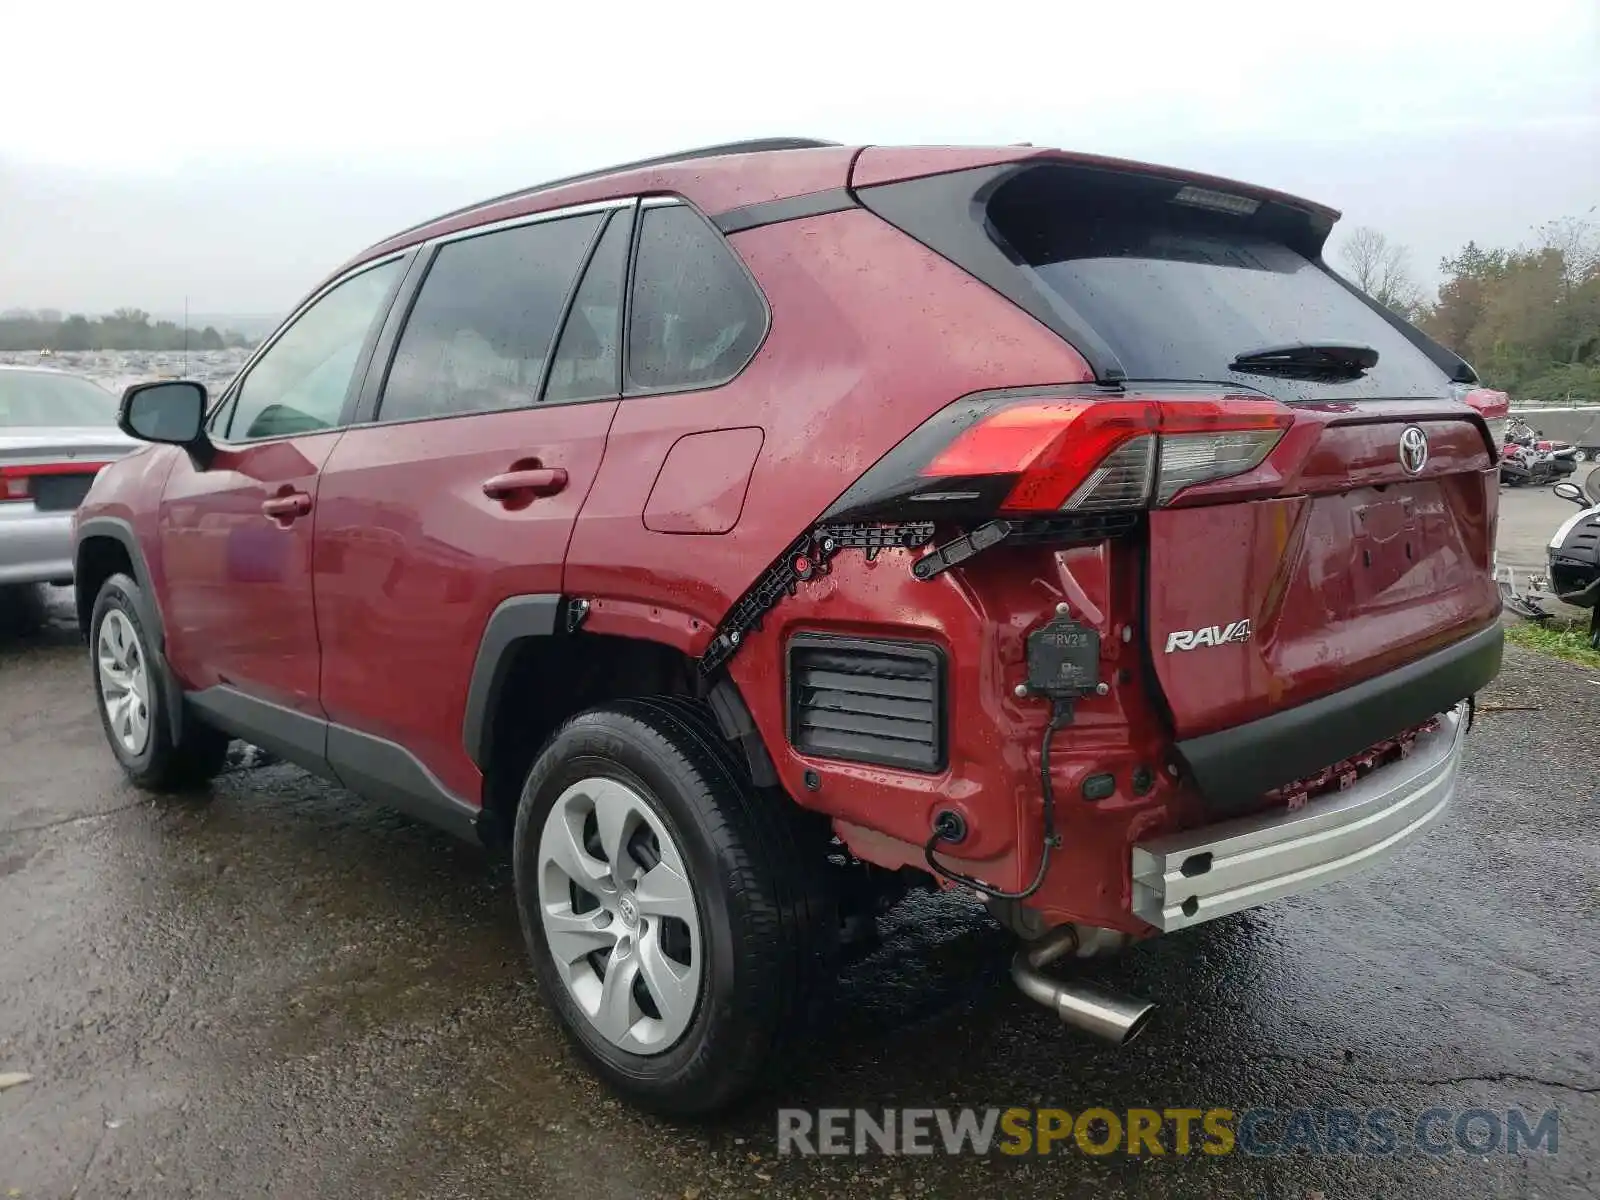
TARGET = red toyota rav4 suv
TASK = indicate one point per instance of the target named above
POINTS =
(747, 535)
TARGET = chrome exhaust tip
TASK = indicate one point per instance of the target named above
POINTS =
(1109, 1016)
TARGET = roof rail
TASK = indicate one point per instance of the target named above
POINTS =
(749, 146)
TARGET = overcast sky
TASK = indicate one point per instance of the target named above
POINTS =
(233, 155)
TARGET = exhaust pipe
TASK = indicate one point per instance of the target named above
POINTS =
(1108, 1015)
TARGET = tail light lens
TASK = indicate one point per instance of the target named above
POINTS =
(16, 482)
(1495, 409)
(1037, 456)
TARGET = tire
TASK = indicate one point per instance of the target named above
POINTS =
(123, 665)
(765, 924)
(1580, 456)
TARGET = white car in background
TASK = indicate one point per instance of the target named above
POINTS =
(56, 431)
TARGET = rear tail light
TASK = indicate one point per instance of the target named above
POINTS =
(16, 482)
(1495, 409)
(1022, 456)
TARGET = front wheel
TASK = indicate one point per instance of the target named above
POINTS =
(666, 905)
(130, 684)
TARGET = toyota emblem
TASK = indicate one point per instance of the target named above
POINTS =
(1413, 450)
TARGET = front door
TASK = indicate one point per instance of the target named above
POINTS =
(464, 488)
(235, 532)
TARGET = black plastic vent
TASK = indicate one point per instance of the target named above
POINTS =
(867, 701)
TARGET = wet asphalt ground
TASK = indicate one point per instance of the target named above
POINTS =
(279, 990)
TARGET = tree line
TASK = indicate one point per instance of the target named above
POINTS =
(124, 329)
(1526, 317)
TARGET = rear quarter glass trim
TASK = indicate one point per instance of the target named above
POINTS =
(793, 208)
(348, 413)
(629, 393)
(946, 214)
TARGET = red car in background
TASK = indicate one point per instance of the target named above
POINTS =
(748, 535)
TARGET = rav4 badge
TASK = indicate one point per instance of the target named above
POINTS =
(1209, 635)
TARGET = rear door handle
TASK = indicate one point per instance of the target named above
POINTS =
(287, 508)
(534, 481)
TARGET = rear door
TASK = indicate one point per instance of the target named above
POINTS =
(461, 488)
(235, 532)
(1364, 540)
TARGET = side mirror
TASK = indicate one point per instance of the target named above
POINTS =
(168, 411)
(1571, 491)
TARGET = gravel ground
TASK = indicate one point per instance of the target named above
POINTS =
(280, 990)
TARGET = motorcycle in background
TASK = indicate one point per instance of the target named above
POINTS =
(1573, 555)
(1528, 458)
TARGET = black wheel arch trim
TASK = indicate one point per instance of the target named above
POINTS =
(739, 727)
(121, 532)
(1235, 767)
(513, 620)
(519, 618)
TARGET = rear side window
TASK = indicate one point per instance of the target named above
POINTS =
(480, 331)
(585, 365)
(1177, 292)
(696, 316)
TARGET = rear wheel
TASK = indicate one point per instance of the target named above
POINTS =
(667, 904)
(131, 686)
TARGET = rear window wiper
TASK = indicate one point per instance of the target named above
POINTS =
(1308, 360)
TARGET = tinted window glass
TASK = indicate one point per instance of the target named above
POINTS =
(45, 398)
(1178, 292)
(585, 365)
(478, 335)
(299, 384)
(696, 316)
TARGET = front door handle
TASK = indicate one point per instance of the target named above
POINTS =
(287, 508)
(534, 481)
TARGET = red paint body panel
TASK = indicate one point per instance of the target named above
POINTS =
(703, 482)
(237, 596)
(1360, 569)
(130, 490)
(412, 558)
(871, 334)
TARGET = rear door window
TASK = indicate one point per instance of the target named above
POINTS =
(586, 365)
(479, 334)
(696, 317)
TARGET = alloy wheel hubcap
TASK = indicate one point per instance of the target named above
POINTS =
(619, 915)
(124, 682)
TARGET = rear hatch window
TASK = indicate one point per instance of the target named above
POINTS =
(1177, 291)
